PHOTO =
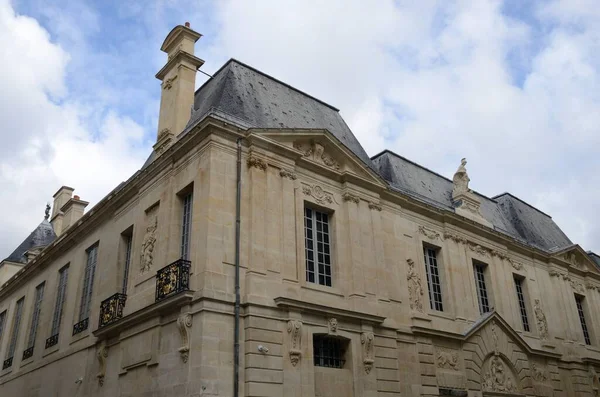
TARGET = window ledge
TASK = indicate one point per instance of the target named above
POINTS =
(282, 301)
(444, 315)
(323, 288)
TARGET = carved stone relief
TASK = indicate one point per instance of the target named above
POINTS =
(350, 197)
(294, 328)
(316, 152)
(538, 373)
(432, 234)
(367, 339)
(447, 358)
(168, 83)
(415, 288)
(184, 322)
(317, 192)
(375, 206)
(540, 318)
(147, 255)
(101, 355)
(577, 286)
(256, 162)
(497, 376)
(287, 174)
(571, 257)
(333, 325)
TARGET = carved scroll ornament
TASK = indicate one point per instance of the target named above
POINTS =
(294, 328)
(184, 322)
(101, 355)
(367, 339)
(415, 288)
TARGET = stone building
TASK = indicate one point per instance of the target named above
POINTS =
(358, 276)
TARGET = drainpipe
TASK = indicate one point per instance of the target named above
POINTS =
(236, 332)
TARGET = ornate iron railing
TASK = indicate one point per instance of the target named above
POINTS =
(28, 353)
(7, 363)
(111, 309)
(173, 279)
(51, 341)
(81, 326)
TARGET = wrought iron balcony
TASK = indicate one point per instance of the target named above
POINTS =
(111, 309)
(81, 326)
(51, 341)
(7, 363)
(172, 279)
(28, 353)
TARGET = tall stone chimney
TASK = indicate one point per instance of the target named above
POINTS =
(66, 210)
(178, 78)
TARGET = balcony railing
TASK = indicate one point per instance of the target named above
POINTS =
(172, 279)
(111, 309)
(28, 353)
(7, 363)
(81, 326)
(51, 341)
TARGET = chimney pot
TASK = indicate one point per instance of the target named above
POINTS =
(187, 24)
(76, 197)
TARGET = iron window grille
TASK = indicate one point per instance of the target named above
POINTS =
(88, 283)
(584, 328)
(14, 334)
(172, 279)
(111, 309)
(328, 351)
(37, 307)
(63, 275)
(51, 341)
(482, 295)
(433, 279)
(317, 247)
(185, 227)
(7, 363)
(81, 326)
(522, 307)
(28, 353)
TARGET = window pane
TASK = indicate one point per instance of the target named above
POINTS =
(433, 279)
(584, 328)
(522, 307)
(60, 299)
(15, 328)
(88, 283)
(482, 296)
(185, 227)
(37, 307)
(128, 241)
(328, 351)
(316, 227)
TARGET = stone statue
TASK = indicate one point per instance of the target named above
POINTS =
(460, 180)
(497, 379)
(148, 246)
(415, 289)
(540, 318)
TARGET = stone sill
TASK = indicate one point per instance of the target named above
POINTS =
(316, 308)
(144, 314)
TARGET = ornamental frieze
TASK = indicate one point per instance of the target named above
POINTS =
(317, 192)
(429, 233)
(483, 251)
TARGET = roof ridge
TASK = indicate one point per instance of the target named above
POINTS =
(522, 201)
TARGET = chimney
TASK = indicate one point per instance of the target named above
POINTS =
(178, 78)
(60, 198)
(73, 210)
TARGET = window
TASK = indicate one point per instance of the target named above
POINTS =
(35, 319)
(14, 335)
(127, 240)
(185, 226)
(584, 328)
(61, 293)
(317, 247)
(521, 300)
(329, 351)
(2, 322)
(433, 279)
(482, 296)
(88, 283)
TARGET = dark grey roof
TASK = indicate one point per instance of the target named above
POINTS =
(505, 212)
(595, 257)
(247, 97)
(42, 236)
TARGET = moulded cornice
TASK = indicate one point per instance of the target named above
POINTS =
(328, 310)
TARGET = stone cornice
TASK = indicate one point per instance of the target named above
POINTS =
(328, 310)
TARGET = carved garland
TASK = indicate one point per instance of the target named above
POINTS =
(375, 206)
(101, 355)
(287, 174)
(484, 251)
(432, 234)
(184, 322)
(295, 330)
(257, 163)
(366, 339)
(350, 197)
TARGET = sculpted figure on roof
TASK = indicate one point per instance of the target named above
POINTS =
(461, 179)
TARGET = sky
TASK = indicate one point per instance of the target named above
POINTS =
(513, 86)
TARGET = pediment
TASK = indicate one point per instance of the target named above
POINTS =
(322, 150)
(575, 257)
(496, 332)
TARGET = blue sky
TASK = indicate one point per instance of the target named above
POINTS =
(513, 86)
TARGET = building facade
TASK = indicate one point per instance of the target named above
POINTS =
(358, 276)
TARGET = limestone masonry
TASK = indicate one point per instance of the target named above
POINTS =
(358, 276)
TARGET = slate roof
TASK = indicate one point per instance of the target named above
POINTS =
(42, 236)
(505, 212)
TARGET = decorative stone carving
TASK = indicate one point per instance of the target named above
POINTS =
(415, 288)
(479, 249)
(553, 273)
(256, 162)
(460, 181)
(498, 378)
(432, 234)
(447, 359)
(577, 286)
(317, 153)
(350, 197)
(457, 239)
(294, 328)
(538, 373)
(101, 355)
(571, 257)
(540, 318)
(591, 286)
(317, 192)
(168, 83)
(287, 174)
(595, 380)
(148, 244)
(375, 206)
(184, 321)
(366, 339)
(333, 325)
(495, 337)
